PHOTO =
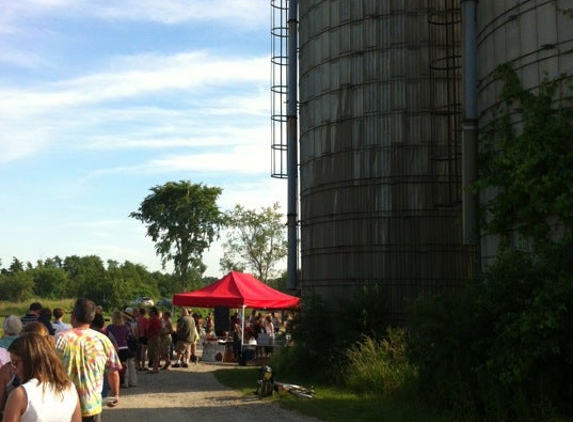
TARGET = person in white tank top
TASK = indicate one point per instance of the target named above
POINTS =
(46, 394)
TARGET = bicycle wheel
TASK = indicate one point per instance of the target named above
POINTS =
(266, 388)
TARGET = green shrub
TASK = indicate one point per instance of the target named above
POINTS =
(17, 286)
(349, 350)
(366, 313)
(530, 360)
(378, 366)
(446, 338)
(504, 348)
(314, 346)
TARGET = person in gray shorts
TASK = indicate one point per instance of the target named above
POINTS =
(185, 338)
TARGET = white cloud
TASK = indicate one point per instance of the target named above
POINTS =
(174, 11)
(20, 59)
(185, 71)
(143, 76)
(241, 12)
(184, 136)
(35, 118)
(241, 160)
(256, 194)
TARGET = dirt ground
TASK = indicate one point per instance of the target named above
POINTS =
(193, 394)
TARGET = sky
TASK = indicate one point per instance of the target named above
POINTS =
(101, 100)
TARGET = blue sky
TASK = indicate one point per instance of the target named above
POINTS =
(103, 99)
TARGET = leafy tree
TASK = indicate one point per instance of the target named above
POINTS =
(167, 284)
(124, 283)
(73, 266)
(91, 279)
(182, 219)
(119, 292)
(280, 282)
(55, 262)
(50, 282)
(208, 280)
(75, 276)
(17, 286)
(16, 265)
(256, 241)
(132, 280)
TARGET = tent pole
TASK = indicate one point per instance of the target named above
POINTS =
(243, 328)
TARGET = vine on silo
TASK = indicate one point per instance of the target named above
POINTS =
(504, 348)
(530, 165)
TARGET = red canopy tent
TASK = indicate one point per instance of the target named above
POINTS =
(237, 290)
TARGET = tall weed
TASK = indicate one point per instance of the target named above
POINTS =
(378, 366)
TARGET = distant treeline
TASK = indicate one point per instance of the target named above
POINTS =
(112, 284)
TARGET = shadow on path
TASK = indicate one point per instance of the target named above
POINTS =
(181, 395)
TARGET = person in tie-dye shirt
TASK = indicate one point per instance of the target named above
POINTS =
(86, 354)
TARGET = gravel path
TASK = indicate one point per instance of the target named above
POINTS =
(193, 394)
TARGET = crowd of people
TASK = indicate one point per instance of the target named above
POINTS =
(52, 371)
(45, 361)
(154, 340)
(256, 328)
(98, 357)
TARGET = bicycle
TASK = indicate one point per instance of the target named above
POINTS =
(295, 390)
(267, 385)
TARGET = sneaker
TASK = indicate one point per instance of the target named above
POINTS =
(177, 365)
(185, 365)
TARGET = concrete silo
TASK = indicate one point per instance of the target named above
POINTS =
(380, 157)
(536, 38)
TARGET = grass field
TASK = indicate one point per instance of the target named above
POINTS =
(9, 308)
(332, 405)
(20, 309)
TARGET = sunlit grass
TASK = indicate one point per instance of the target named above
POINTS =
(334, 405)
(378, 367)
(330, 404)
(20, 308)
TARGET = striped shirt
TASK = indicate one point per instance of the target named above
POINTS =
(26, 319)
